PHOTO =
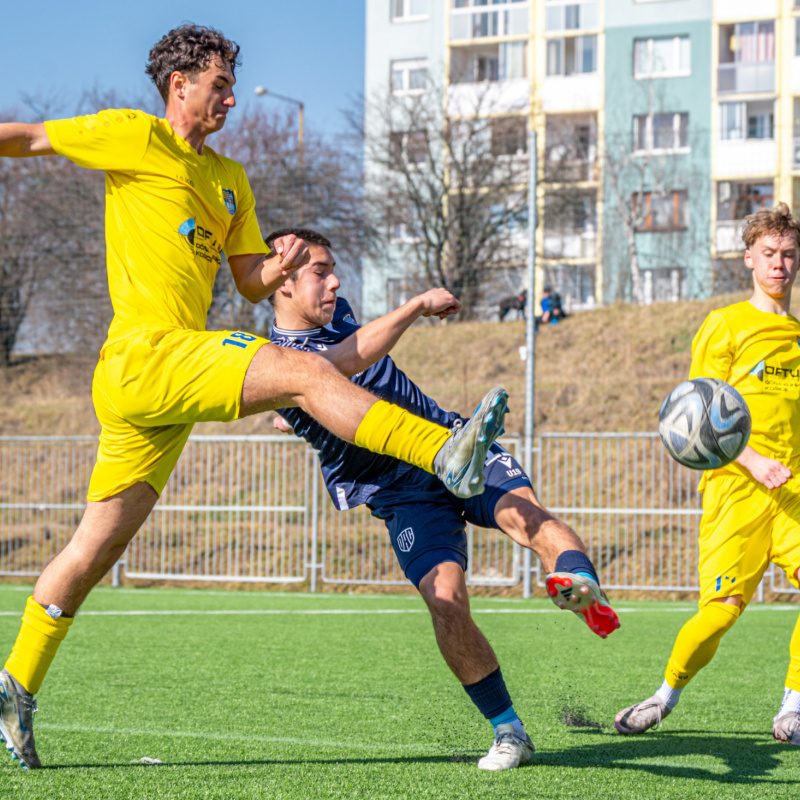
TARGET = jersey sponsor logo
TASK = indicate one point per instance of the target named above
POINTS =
(230, 200)
(777, 379)
(341, 496)
(200, 241)
(405, 540)
(722, 578)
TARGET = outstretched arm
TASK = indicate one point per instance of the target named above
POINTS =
(18, 140)
(374, 340)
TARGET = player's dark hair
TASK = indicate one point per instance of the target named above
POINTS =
(306, 234)
(188, 49)
(778, 220)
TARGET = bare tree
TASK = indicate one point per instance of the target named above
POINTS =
(446, 188)
(649, 173)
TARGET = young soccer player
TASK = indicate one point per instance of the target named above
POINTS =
(426, 523)
(750, 508)
(173, 205)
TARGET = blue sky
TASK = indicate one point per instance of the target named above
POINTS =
(312, 50)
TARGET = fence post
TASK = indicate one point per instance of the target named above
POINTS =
(530, 341)
(314, 565)
(115, 574)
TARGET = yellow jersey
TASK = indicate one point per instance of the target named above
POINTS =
(758, 353)
(170, 212)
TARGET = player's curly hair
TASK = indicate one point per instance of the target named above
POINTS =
(188, 49)
(778, 220)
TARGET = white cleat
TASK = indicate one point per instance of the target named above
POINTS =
(640, 717)
(459, 464)
(16, 723)
(509, 750)
(787, 728)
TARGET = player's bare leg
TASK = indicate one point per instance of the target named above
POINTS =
(521, 516)
(472, 660)
(280, 377)
(101, 538)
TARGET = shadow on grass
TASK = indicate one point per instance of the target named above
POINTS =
(748, 757)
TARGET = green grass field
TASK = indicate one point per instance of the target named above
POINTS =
(274, 695)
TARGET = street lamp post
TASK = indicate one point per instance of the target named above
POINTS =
(261, 91)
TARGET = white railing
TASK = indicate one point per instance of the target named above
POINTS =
(254, 509)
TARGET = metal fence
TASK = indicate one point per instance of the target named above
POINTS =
(255, 509)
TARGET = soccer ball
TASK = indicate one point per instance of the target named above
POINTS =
(704, 423)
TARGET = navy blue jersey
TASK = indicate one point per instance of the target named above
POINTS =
(351, 473)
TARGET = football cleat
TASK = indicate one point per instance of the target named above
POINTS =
(459, 464)
(16, 722)
(508, 750)
(584, 596)
(640, 717)
(787, 728)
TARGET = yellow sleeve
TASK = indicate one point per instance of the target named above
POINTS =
(712, 349)
(110, 140)
(244, 235)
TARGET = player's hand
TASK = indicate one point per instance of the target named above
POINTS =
(282, 425)
(293, 252)
(439, 303)
(767, 471)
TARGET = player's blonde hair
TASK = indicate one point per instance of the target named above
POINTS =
(778, 220)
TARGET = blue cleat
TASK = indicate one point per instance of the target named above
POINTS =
(459, 464)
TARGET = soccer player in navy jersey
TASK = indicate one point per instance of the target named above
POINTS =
(425, 522)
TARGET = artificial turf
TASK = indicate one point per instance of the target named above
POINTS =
(335, 700)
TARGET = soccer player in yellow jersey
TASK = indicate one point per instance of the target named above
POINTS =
(750, 508)
(173, 205)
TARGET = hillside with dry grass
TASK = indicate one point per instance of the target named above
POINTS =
(603, 370)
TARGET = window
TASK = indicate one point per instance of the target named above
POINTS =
(409, 148)
(661, 132)
(408, 10)
(664, 284)
(572, 56)
(499, 62)
(754, 120)
(661, 211)
(738, 199)
(507, 18)
(747, 42)
(509, 136)
(666, 57)
(564, 15)
(570, 148)
(409, 76)
(797, 36)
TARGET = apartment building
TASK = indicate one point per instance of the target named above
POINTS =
(660, 125)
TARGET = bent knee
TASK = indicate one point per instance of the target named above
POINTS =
(446, 598)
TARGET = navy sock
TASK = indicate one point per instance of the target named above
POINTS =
(490, 695)
(576, 562)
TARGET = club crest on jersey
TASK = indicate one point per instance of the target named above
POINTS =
(230, 200)
(405, 540)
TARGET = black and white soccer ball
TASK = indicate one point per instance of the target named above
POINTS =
(704, 423)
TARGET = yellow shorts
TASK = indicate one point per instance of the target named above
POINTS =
(744, 527)
(148, 391)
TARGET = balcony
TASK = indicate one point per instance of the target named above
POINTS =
(746, 78)
(571, 245)
(495, 97)
(571, 92)
(738, 158)
(729, 235)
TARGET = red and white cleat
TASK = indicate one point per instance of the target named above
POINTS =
(584, 596)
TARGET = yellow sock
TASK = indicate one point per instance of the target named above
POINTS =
(393, 431)
(793, 675)
(697, 642)
(36, 645)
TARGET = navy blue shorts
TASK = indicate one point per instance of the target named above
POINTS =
(427, 524)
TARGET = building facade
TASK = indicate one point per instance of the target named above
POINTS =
(660, 125)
